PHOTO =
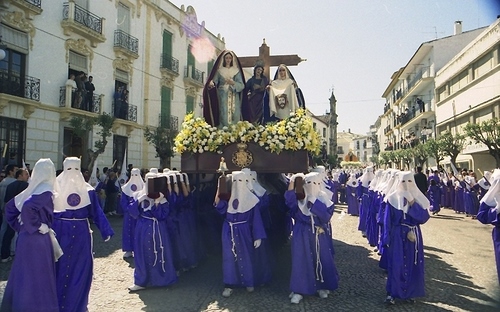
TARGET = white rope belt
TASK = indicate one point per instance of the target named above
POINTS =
(319, 265)
(156, 226)
(233, 248)
(73, 219)
(415, 230)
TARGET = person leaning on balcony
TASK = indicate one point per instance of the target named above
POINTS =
(72, 83)
(89, 99)
(124, 108)
(80, 92)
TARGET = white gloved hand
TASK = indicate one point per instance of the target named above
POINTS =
(159, 199)
(257, 243)
(107, 238)
(497, 207)
(300, 174)
(44, 228)
(181, 177)
(186, 178)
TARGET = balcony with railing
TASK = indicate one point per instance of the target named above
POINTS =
(78, 20)
(30, 7)
(169, 64)
(168, 122)
(126, 44)
(414, 116)
(22, 86)
(193, 76)
(422, 74)
(124, 111)
(75, 102)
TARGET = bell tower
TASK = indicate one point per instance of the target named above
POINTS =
(332, 124)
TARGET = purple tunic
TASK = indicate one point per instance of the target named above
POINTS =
(262, 255)
(75, 268)
(364, 206)
(152, 246)
(352, 201)
(405, 259)
(129, 223)
(434, 195)
(459, 198)
(313, 266)
(239, 231)
(489, 215)
(186, 228)
(372, 227)
(32, 281)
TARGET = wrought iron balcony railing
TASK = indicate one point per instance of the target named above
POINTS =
(20, 85)
(125, 111)
(194, 74)
(170, 63)
(83, 17)
(168, 122)
(71, 98)
(37, 3)
(126, 41)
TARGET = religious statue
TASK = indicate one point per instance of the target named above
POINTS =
(223, 95)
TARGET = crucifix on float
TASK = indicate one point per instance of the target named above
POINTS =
(269, 60)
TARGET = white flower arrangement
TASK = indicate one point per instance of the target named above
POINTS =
(291, 134)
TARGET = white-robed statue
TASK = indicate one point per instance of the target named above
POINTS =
(282, 95)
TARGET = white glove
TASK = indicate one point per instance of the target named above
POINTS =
(186, 178)
(497, 207)
(44, 228)
(300, 174)
(257, 243)
(181, 177)
(159, 199)
(107, 238)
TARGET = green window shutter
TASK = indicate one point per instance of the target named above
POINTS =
(165, 109)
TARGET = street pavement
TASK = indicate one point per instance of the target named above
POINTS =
(459, 263)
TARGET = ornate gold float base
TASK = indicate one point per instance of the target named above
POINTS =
(251, 155)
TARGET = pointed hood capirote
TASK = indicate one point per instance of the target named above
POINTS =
(71, 188)
(42, 180)
(406, 191)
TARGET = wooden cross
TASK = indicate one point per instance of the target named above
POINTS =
(269, 60)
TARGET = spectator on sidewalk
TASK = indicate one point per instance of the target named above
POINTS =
(111, 191)
(13, 190)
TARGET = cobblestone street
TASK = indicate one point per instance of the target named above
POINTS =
(460, 275)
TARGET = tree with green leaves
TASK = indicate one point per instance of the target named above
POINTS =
(487, 133)
(162, 139)
(452, 145)
(406, 156)
(435, 149)
(420, 154)
(385, 158)
(83, 125)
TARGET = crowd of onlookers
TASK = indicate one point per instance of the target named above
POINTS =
(83, 91)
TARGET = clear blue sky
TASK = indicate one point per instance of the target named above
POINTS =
(353, 46)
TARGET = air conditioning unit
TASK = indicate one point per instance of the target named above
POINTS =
(424, 122)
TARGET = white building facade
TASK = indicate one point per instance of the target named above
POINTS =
(141, 46)
(410, 111)
(468, 91)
